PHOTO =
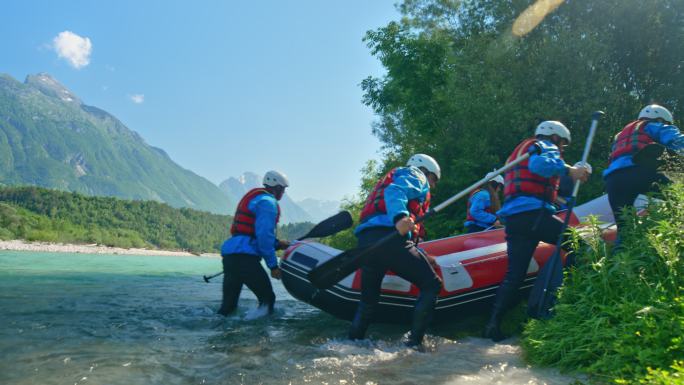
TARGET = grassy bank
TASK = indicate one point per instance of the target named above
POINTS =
(620, 318)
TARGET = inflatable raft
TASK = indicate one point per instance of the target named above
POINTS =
(471, 267)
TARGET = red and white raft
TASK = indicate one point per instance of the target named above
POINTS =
(471, 267)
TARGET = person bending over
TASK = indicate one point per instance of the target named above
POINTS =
(625, 179)
(530, 190)
(401, 196)
(483, 204)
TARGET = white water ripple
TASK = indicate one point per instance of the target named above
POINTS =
(152, 320)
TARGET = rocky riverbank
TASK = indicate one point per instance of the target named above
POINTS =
(49, 247)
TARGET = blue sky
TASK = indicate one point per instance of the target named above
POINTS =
(222, 86)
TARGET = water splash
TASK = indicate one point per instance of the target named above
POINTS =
(129, 325)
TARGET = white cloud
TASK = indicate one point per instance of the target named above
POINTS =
(75, 49)
(137, 98)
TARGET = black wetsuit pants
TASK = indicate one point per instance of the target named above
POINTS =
(624, 185)
(239, 269)
(395, 257)
(524, 231)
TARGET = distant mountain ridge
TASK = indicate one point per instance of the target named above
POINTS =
(319, 209)
(292, 212)
(49, 138)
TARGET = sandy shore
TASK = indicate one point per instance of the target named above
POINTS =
(19, 245)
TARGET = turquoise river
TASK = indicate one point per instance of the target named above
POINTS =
(120, 319)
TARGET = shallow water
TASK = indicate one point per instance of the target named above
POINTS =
(116, 319)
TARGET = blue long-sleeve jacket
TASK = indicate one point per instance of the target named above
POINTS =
(547, 163)
(408, 183)
(265, 208)
(665, 134)
(479, 202)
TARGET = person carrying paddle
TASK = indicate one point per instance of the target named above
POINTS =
(530, 190)
(254, 237)
(482, 206)
(626, 178)
(401, 196)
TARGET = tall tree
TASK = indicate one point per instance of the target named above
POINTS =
(467, 80)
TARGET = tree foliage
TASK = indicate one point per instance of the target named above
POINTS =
(38, 214)
(467, 80)
(463, 87)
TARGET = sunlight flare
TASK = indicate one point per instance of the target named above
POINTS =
(533, 15)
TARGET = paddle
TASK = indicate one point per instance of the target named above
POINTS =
(335, 224)
(550, 277)
(335, 269)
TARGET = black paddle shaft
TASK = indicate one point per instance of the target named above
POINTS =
(329, 226)
(333, 270)
(550, 278)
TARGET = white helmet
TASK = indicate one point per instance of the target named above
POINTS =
(422, 160)
(498, 179)
(654, 111)
(552, 127)
(275, 178)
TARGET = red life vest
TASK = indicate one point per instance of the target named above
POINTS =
(416, 209)
(520, 181)
(243, 222)
(469, 216)
(375, 204)
(631, 139)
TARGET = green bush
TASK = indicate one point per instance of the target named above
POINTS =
(41, 236)
(666, 377)
(620, 315)
(6, 234)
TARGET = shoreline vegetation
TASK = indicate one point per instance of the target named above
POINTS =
(35, 214)
(52, 247)
(620, 317)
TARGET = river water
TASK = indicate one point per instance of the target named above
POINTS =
(119, 319)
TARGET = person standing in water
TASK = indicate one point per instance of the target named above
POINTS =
(253, 238)
(401, 196)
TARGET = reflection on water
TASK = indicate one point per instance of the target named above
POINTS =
(78, 319)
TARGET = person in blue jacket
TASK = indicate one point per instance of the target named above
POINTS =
(253, 238)
(483, 204)
(624, 178)
(401, 196)
(530, 190)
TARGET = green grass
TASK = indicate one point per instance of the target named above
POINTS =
(620, 318)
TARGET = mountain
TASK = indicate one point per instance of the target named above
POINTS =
(49, 138)
(237, 187)
(319, 210)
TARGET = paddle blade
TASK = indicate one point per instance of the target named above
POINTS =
(334, 270)
(336, 223)
(543, 295)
